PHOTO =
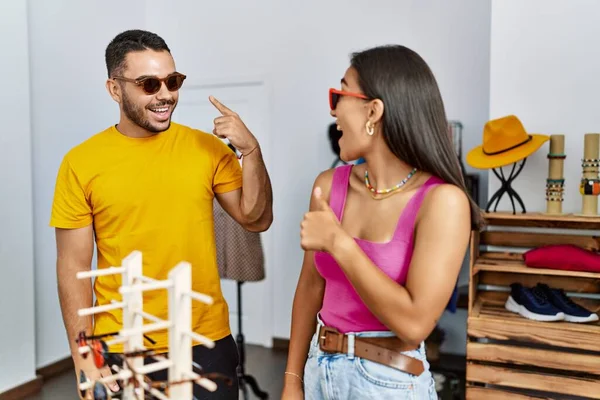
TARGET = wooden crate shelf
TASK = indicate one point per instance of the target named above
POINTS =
(509, 356)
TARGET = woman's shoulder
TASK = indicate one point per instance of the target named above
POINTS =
(325, 179)
(445, 199)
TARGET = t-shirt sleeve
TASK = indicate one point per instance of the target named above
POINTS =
(70, 208)
(228, 172)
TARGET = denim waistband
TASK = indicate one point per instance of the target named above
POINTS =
(320, 323)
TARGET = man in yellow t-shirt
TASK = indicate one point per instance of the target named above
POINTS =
(148, 184)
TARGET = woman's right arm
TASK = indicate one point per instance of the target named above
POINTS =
(307, 303)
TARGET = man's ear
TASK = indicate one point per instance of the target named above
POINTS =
(376, 108)
(114, 90)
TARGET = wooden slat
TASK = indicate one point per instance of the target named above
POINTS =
(533, 239)
(476, 307)
(472, 292)
(579, 285)
(494, 262)
(509, 326)
(502, 256)
(474, 277)
(516, 267)
(473, 282)
(533, 381)
(493, 298)
(565, 221)
(487, 393)
(506, 354)
(474, 250)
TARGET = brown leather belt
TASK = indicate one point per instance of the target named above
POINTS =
(382, 350)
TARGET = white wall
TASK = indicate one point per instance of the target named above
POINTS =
(69, 104)
(300, 49)
(17, 342)
(544, 69)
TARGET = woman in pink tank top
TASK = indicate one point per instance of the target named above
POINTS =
(384, 241)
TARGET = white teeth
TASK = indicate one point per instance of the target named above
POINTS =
(160, 110)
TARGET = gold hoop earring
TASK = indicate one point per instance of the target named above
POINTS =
(370, 129)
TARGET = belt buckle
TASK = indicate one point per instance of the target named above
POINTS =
(327, 332)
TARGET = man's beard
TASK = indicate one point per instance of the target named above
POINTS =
(137, 115)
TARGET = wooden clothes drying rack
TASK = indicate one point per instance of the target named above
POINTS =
(509, 356)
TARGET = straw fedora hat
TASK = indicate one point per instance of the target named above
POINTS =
(505, 141)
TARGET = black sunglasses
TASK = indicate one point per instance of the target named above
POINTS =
(152, 84)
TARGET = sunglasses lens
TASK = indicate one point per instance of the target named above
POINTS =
(174, 82)
(82, 379)
(151, 85)
(100, 392)
(81, 339)
(98, 356)
(334, 100)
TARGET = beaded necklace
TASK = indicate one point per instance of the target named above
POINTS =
(394, 188)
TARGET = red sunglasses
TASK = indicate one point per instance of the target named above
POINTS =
(334, 96)
(99, 348)
(152, 84)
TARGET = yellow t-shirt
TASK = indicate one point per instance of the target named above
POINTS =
(154, 195)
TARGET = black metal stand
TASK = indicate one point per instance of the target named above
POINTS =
(241, 373)
(505, 187)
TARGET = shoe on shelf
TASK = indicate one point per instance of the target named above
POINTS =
(532, 304)
(573, 312)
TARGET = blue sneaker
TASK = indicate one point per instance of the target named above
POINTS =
(573, 312)
(532, 304)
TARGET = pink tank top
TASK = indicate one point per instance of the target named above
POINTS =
(342, 308)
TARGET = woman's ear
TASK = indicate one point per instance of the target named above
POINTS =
(376, 109)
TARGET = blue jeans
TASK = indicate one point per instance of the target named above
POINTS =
(346, 377)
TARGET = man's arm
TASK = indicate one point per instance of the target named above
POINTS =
(73, 222)
(251, 205)
(75, 248)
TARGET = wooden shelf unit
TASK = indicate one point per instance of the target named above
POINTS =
(509, 356)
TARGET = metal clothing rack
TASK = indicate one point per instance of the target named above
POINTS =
(243, 378)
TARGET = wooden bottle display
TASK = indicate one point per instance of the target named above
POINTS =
(556, 178)
(590, 185)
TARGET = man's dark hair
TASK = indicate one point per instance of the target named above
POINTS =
(128, 41)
